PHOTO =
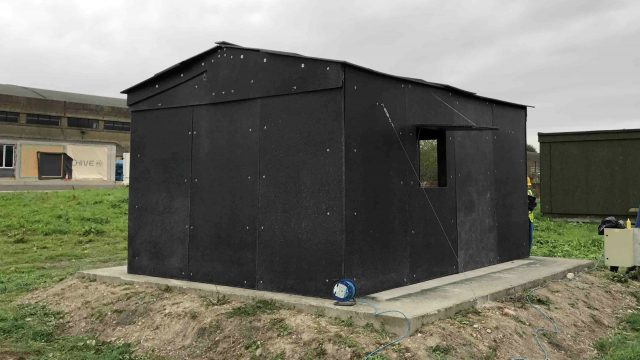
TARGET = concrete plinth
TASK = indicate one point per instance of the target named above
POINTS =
(422, 303)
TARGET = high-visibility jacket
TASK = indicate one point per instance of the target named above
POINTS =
(530, 193)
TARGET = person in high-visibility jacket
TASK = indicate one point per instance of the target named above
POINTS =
(531, 206)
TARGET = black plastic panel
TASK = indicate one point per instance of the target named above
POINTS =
(238, 74)
(477, 235)
(510, 166)
(392, 231)
(300, 242)
(224, 193)
(159, 192)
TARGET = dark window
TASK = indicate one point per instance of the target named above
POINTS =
(7, 116)
(82, 123)
(6, 159)
(117, 125)
(432, 158)
(38, 119)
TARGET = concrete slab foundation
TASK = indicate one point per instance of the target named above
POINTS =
(400, 309)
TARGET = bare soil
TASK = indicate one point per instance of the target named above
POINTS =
(186, 326)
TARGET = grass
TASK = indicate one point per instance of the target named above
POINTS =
(568, 239)
(624, 342)
(280, 326)
(44, 238)
(47, 236)
(258, 307)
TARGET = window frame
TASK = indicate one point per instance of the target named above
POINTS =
(440, 136)
(94, 123)
(4, 115)
(4, 155)
(111, 122)
(42, 117)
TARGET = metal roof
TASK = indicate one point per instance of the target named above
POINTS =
(593, 135)
(589, 132)
(223, 44)
(24, 91)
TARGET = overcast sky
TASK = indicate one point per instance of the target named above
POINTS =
(577, 62)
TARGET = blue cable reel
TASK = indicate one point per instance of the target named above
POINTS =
(344, 292)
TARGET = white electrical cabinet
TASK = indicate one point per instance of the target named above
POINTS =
(622, 247)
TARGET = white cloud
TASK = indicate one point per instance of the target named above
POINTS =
(578, 62)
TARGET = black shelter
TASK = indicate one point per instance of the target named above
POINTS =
(275, 171)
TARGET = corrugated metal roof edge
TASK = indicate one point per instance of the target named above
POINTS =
(589, 132)
(95, 99)
(222, 44)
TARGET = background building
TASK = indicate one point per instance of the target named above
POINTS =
(93, 130)
(591, 173)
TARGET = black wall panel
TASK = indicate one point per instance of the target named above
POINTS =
(224, 193)
(229, 74)
(301, 232)
(477, 234)
(392, 233)
(291, 178)
(159, 192)
(510, 189)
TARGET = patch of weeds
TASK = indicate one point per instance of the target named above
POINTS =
(193, 314)
(319, 313)
(127, 317)
(219, 300)
(378, 356)
(280, 326)
(279, 356)
(632, 322)
(491, 354)
(441, 351)
(523, 299)
(618, 277)
(634, 274)
(204, 338)
(346, 341)
(100, 314)
(255, 308)
(90, 229)
(381, 332)
(34, 331)
(539, 300)
(348, 322)
(166, 288)
(316, 352)
(519, 320)
(553, 340)
(462, 316)
(252, 346)
(29, 322)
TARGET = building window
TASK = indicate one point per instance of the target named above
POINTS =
(7, 156)
(82, 123)
(39, 119)
(117, 125)
(7, 116)
(432, 158)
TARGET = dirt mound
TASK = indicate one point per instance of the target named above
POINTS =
(181, 325)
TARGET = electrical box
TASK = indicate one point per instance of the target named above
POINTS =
(622, 247)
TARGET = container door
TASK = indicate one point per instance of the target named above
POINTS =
(159, 192)
(224, 194)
